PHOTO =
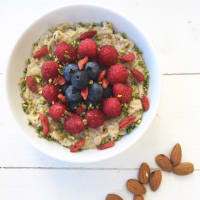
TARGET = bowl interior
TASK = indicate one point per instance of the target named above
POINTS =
(22, 50)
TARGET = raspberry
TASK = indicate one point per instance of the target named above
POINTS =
(56, 111)
(117, 74)
(108, 55)
(74, 124)
(49, 70)
(95, 118)
(31, 84)
(112, 107)
(88, 48)
(88, 34)
(41, 52)
(129, 57)
(50, 93)
(65, 52)
(122, 92)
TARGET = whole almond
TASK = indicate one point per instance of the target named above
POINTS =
(138, 197)
(163, 162)
(176, 155)
(184, 168)
(113, 197)
(135, 187)
(155, 180)
(144, 173)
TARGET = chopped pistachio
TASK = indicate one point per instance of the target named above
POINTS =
(29, 123)
(82, 114)
(43, 101)
(37, 60)
(119, 95)
(98, 37)
(50, 80)
(95, 24)
(122, 51)
(39, 129)
(84, 106)
(124, 35)
(81, 24)
(127, 45)
(67, 56)
(70, 137)
(60, 71)
(28, 61)
(91, 82)
(35, 44)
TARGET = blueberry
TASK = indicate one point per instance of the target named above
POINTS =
(69, 70)
(72, 94)
(72, 106)
(64, 87)
(107, 92)
(95, 92)
(80, 80)
(93, 70)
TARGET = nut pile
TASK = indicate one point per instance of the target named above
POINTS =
(154, 178)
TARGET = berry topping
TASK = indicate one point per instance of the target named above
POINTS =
(45, 124)
(49, 70)
(84, 93)
(77, 146)
(93, 70)
(56, 111)
(69, 70)
(127, 122)
(31, 84)
(43, 51)
(102, 75)
(88, 34)
(82, 62)
(95, 92)
(117, 74)
(112, 107)
(80, 80)
(129, 57)
(65, 52)
(145, 102)
(106, 145)
(88, 48)
(74, 124)
(95, 118)
(73, 94)
(108, 55)
(137, 75)
(122, 92)
(50, 93)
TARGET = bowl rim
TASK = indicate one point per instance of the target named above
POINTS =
(159, 80)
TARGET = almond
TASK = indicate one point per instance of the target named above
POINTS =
(138, 197)
(135, 187)
(184, 168)
(144, 173)
(113, 197)
(163, 162)
(176, 155)
(155, 180)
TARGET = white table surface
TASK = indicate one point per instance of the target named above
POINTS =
(174, 29)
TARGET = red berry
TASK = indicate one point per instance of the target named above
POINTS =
(106, 145)
(129, 57)
(49, 70)
(45, 124)
(41, 52)
(74, 124)
(77, 146)
(88, 48)
(50, 93)
(145, 102)
(31, 84)
(88, 34)
(122, 92)
(56, 111)
(60, 80)
(112, 107)
(102, 75)
(82, 62)
(84, 93)
(65, 52)
(108, 55)
(137, 75)
(105, 83)
(117, 74)
(127, 122)
(95, 118)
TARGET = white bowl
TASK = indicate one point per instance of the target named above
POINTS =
(22, 50)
